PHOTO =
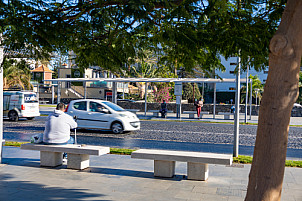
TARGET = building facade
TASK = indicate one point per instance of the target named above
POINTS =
(230, 65)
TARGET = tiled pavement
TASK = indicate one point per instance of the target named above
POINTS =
(115, 177)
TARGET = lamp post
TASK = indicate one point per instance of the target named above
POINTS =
(203, 86)
(1, 97)
(257, 91)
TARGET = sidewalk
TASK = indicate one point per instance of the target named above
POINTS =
(115, 177)
(294, 121)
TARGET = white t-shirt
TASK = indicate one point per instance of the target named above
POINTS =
(57, 127)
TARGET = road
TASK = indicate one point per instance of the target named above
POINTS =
(190, 136)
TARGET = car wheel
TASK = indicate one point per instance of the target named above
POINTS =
(117, 128)
(13, 116)
(30, 118)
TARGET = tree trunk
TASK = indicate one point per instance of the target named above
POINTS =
(280, 93)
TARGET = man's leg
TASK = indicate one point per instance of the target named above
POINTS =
(70, 141)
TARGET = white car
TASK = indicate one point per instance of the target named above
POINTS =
(103, 115)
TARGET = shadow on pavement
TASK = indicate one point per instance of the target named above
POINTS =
(28, 190)
(35, 163)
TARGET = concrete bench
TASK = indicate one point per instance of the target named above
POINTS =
(192, 114)
(156, 112)
(133, 110)
(227, 115)
(78, 156)
(197, 162)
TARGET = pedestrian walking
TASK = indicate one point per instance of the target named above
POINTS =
(198, 104)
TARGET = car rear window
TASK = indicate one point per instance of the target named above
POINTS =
(82, 105)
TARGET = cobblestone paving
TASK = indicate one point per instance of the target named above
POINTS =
(194, 132)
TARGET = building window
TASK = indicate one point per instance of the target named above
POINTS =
(232, 72)
(233, 64)
(231, 88)
(266, 72)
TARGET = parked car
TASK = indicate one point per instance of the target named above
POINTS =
(297, 105)
(103, 115)
(20, 104)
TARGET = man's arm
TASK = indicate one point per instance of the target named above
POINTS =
(72, 122)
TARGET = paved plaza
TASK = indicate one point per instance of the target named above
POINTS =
(116, 177)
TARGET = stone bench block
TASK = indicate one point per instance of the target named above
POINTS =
(197, 171)
(156, 112)
(226, 115)
(193, 113)
(78, 161)
(164, 168)
(51, 159)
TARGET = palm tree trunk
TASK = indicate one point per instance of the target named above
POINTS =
(280, 93)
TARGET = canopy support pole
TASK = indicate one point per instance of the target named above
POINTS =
(146, 94)
(237, 108)
(214, 102)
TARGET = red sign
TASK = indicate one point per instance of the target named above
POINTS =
(108, 93)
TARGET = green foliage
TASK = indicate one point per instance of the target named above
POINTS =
(290, 163)
(243, 159)
(14, 144)
(16, 74)
(110, 34)
(188, 92)
(256, 84)
(121, 151)
(249, 159)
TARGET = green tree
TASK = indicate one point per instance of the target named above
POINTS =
(256, 84)
(188, 92)
(145, 67)
(187, 33)
(16, 74)
(280, 93)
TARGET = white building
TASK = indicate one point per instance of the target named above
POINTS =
(230, 65)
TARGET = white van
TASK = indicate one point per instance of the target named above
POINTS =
(20, 104)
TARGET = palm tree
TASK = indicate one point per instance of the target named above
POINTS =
(256, 84)
(16, 74)
(145, 68)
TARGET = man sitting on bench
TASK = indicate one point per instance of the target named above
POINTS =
(57, 128)
(163, 109)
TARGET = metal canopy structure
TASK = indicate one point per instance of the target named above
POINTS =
(198, 80)
(150, 80)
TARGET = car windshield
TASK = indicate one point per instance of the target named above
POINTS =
(113, 106)
(30, 98)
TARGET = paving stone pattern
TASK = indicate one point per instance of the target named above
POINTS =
(113, 177)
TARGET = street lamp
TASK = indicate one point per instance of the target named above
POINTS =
(257, 91)
(203, 86)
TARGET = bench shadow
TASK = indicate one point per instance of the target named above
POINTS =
(110, 172)
(12, 189)
(130, 173)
